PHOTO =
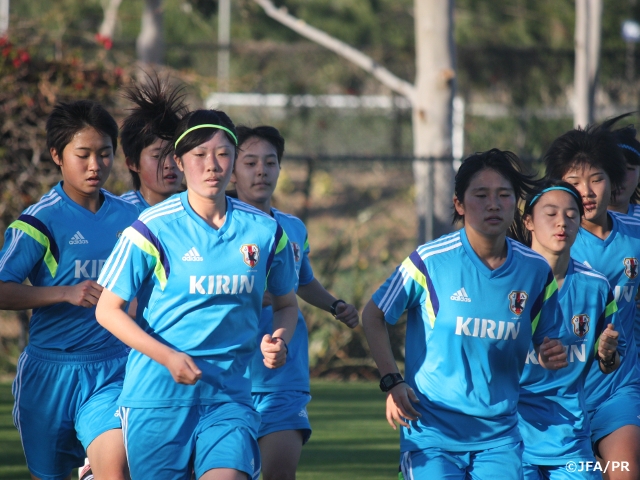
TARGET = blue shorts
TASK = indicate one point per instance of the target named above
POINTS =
(570, 471)
(620, 409)
(283, 411)
(504, 462)
(62, 403)
(169, 443)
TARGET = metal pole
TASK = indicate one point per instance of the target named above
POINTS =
(224, 39)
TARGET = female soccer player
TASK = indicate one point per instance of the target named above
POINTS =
(144, 134)
(71, 373)
(552, 405)
(186, 401)
(281, 396)
(591, 161)
(475, 301)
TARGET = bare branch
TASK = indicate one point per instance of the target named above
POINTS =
(365, 62)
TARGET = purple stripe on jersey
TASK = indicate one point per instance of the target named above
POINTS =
(146, 233)
(42, 228)
(272, 253)
(416, 259)
(537, 305)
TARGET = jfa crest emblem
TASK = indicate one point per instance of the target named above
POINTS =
(296, 251)
(580, 324)
(251, 254)
(517, 301)
(631, 267)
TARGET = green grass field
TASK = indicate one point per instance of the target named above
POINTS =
(351, 438)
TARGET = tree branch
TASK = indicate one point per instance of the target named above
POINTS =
(365, 62)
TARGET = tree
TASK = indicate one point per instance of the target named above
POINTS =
(431, 98)
(587, 46)
(150, 43)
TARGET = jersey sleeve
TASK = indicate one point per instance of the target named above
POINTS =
(306, 272)
(545, 314)
(27, 242)
(281, 267)
(609, 315)
(137, 257)
(408, 287)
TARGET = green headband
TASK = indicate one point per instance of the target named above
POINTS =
(207, 125)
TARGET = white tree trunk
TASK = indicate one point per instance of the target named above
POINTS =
(431, 98)
(150, 42)
(432, 116)
(108, 26)
(587, 53)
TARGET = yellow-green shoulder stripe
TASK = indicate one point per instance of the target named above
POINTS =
(42, 239)
(146, 246)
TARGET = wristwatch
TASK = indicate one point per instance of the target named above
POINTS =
(334, 305)
(390, 380)
(609, 363)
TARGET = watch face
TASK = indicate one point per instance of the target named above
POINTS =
(388, 381)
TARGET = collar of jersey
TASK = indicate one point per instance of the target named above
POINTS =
(591, 238)
(482, 268)
(142, 199)
(83, 211)
(196, 218)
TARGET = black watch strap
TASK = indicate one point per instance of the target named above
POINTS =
(334, 305)
(390, 380)
(609, 363)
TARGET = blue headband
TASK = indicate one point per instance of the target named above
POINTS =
(628, 147)
(534, 199)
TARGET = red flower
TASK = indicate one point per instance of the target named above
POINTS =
(117, 71)
(78, 86)
(6, 51)
(24, 56)
(3, 41)
(16, 62)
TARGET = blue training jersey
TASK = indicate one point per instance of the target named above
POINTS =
(294, 375)
(56, 242)
(468, 333)
(207, 288)
(634, 211)
(552, 406)
(616, 257)
(136, 198)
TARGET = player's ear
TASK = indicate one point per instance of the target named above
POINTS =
(57, 159)
(178, 161)
(131, 165)
(458, 205)
(527, 220)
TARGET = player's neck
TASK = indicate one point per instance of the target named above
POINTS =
(151, 197)
(91, 202)
(559, 262)
(620, 208)
(264, 206)
(491, 250)
(211, 210)
(599, 226)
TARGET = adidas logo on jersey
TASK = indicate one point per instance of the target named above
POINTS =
(192, 256)
(461, 296)
(78, 239)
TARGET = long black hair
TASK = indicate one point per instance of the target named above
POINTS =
(522, 234)
(595, 146)
(157, 110)
(506, 164)
(67, 119)
(629, 145)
